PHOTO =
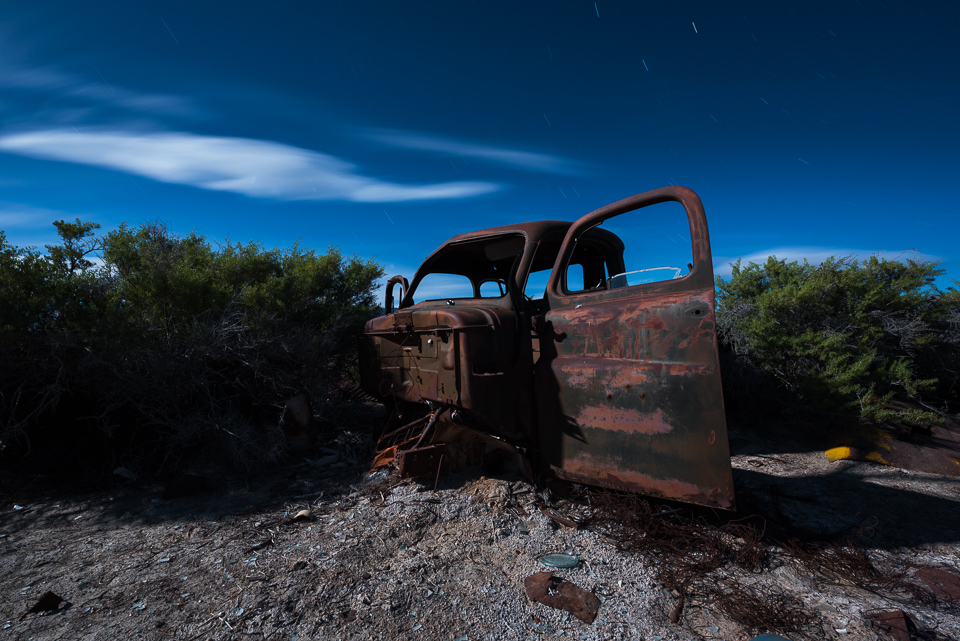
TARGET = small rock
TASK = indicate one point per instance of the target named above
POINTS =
(125, 473)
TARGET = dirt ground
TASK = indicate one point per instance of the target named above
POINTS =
(378, 558)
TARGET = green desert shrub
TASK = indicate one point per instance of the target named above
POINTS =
(167, 343)
(848, 336)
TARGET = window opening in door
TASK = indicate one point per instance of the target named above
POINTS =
(656, 248)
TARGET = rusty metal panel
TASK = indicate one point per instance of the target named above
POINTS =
(628, 381)
(627, 413)
(423, 461)
(467, 357)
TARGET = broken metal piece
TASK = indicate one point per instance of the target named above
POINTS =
(384, 458)
(411, 459)
(422, 461)
(944, 583)
(555, 592)
(898, 623)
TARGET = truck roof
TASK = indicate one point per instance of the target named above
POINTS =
(532, 230)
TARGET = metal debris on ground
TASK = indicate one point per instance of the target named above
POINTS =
(555, 592)
(899, 624)
(944, 583)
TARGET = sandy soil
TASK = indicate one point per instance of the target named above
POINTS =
(378, 558)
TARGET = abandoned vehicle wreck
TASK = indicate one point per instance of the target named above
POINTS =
(547, 343)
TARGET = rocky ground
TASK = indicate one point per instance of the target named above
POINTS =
(817, 550)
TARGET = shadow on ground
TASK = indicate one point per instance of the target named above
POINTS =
(783, 473)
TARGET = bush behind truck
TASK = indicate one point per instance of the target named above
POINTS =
(167, 344)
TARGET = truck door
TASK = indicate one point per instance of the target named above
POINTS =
(628, 381)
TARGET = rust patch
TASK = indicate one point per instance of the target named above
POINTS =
(586, 471)
(625, 420)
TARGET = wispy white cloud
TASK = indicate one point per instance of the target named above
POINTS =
(814, 255)
(18, 215)
(257, 168)
(452, 147)
(28, 226)
(93, 93)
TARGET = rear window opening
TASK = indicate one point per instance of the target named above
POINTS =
(480, 268)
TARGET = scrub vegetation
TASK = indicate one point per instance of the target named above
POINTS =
(144, 345)
(874, 339)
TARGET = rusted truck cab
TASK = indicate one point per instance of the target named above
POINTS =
(539, 342)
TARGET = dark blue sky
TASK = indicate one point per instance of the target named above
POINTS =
(807, 128)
